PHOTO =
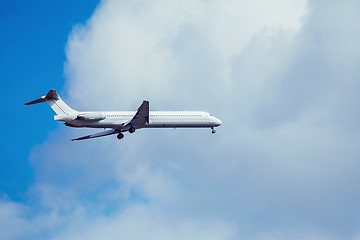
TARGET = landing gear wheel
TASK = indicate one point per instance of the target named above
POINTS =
(120, 136)
(213, 130)
(131, 130)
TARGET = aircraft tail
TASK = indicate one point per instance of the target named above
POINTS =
(55, 102)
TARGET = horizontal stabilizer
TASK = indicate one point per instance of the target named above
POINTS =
(40, 100)
(100, 134)
(55, 102)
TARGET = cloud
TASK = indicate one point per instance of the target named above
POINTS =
(282, 76)
(151, 45)
(139, 223)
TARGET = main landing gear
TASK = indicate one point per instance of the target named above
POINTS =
(132, 130)
(213, 131)
(120, 136)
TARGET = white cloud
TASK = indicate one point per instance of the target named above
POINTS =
(140, 223)
(284, 163)
(167, 51)
(21, 222)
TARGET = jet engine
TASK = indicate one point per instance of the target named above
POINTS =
(91, 116)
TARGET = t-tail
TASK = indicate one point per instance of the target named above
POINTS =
(55, 102)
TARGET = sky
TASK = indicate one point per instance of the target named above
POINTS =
(282, 75)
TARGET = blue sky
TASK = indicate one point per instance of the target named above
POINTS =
(282, 75)
(33, 38)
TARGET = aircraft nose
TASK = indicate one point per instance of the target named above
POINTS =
(216, 121)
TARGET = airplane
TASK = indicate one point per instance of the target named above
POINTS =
(125, 121)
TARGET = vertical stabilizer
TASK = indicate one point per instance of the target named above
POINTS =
(55, 102)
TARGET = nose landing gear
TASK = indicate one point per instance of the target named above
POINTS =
(213, 131)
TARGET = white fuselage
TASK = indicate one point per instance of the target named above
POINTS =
(125, 121)
(157, 119)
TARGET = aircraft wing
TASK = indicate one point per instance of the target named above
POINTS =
(142, 115)
(100, 134)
